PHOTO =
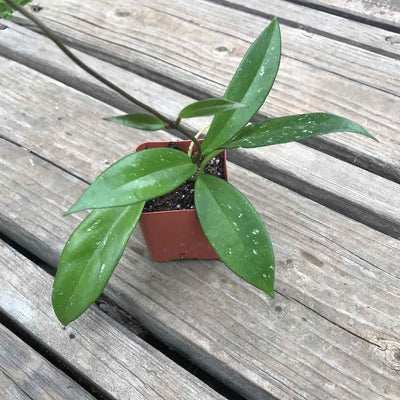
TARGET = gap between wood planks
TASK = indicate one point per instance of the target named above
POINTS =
(104, 351)
(45, 351)
(349, 15)
(109, 307)
(306, 26)
(39, 239)
(271, 167)
(328, 213)
(355, 211)
(26, 374)
(117, 136)
(380, 159)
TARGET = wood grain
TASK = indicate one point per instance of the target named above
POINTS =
(348, 189)
(195, 47)
(327, 24)
(13, 392)
(382, 11)
(95, 346)
(332, 330)
(25, 374)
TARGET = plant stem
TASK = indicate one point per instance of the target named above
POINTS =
(169, 124)
(190, 151)
(207, 159)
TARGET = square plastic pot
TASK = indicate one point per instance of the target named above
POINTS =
(176, 234)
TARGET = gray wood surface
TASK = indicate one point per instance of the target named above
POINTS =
(382, 11)
(25, 374)
(337, 184)
(332, 330)
(13, 392)
(111, 357)
(196, 46)
(327, 24)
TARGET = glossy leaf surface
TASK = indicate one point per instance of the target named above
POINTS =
(89, 259)
(250, 85)
(137, 177)
(294, 127)
(139, 121)
(235, 231)
(209, 107)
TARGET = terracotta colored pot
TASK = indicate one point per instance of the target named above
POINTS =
(177, 234)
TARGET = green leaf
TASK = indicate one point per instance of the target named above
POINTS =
(139, 121)
(235, 231)
(137, 177)
(251, 84)
(209, 107)
(89, 258)
(6, 11)
(294, 127)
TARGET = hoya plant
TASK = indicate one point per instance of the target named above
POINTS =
(234, 229)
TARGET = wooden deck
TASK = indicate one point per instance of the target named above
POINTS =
(331, 205)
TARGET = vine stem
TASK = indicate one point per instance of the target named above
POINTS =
(190, 151)
(207, 159)
(51, 35)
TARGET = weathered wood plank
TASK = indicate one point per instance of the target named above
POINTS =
(352, 191)
(324, 23)
(25, 374)
(107, 354)
(196, 47)
(383, 11)
(251, 342)
(13, 392)
(332, 330)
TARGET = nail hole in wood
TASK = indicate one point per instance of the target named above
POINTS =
(278, 309)
(36, 7)
(122, 13)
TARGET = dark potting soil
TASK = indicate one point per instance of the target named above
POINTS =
(182, 198)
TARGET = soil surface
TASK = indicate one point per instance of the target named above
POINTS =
(182, 198)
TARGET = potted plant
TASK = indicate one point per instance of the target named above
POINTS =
(216, 210)
(169, 223)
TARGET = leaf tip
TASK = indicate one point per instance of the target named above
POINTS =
(275, 23)
(63, 321)
(366, 133)
(373, 137)
(73, 209)
(56, 308)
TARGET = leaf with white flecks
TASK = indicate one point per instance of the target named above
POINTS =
(292, 128)
(235, 231)
(89, 259)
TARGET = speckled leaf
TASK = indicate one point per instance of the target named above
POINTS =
(250, 85)
(89, 259)
(139, 121)
(294, 127)
(137, 177)
(235, 231)
(203, 108)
